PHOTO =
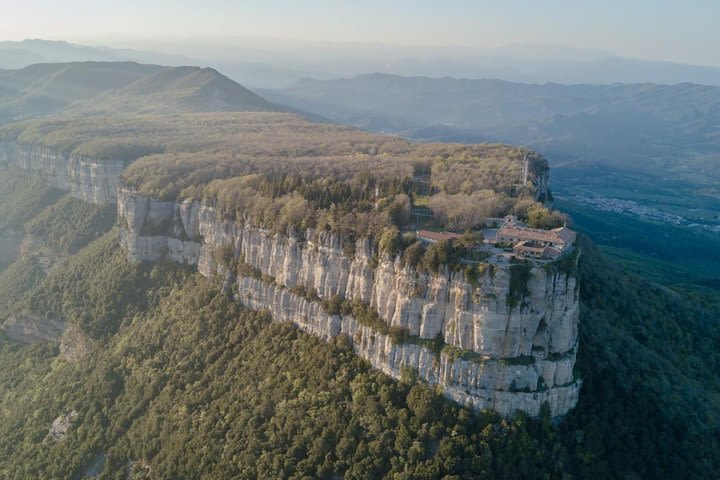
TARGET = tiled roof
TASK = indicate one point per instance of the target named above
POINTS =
(566, 234)
(530, 234)
(531, 247)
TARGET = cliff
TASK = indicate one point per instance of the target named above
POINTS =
(487, 342)
(467, 337)
(89, 180)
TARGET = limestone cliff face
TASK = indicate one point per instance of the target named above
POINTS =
(500, 356)
(89, 180)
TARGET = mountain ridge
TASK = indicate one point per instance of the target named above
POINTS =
(595, 122)
(81, 88)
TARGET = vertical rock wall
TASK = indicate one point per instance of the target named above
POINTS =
(92, 181)
(518, 356)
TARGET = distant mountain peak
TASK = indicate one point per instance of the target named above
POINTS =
(100, 88)
(181, 89)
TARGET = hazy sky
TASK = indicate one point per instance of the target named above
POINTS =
(658, 29)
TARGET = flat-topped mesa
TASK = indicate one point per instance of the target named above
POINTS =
(169, 154)
(496, 335)
(87, 179)
(504, 340)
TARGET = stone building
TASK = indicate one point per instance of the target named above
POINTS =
(533, 242)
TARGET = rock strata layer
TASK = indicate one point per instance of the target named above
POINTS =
(87, 179)
(498, 354)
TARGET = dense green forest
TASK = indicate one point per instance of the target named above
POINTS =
(184, 383)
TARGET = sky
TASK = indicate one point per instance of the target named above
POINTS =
(660, 29)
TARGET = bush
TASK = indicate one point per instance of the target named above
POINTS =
(519, 277)
(390, 241)
(413, 255)
(439, 253)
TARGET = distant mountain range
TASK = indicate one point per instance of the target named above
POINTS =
(16, 55)
(96, 88)
(634, 126)
(275, 63)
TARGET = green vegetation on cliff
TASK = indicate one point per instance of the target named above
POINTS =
(23, 196)
(98, 288)
(185, 383)
(70, 224)
(351, 181)
(199, 387)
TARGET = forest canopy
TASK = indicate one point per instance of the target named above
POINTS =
(344, 177)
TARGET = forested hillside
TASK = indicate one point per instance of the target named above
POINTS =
(638, 126)
(178, 381)
(94, 88)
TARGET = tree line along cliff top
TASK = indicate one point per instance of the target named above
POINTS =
(329, 167)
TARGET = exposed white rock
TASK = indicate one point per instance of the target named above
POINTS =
(524, 354)
(89, 180)
(74, 344)
(25, 328)
(60, 426)
(495, 384)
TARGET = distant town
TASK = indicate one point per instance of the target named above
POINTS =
(631, 207)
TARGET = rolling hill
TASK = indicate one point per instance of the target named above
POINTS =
(83, 88)
(47, 88)
(177, 90)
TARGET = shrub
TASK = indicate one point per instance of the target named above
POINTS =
(413, 255)
(439, 253)
(390, 241)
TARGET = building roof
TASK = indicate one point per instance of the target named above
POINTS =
(437, 236)
(536, 248)
(566, 234)
(530, 247)
(532, 234)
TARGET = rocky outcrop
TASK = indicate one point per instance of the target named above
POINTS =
(25, 328)
(503, 385)
(89, 180)
(500, 353)
(60, 427)
(74, 344)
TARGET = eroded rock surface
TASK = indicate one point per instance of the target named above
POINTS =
(60, 427)
(26, 328)
(89, 180)
(74, 344)
(522, 354)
